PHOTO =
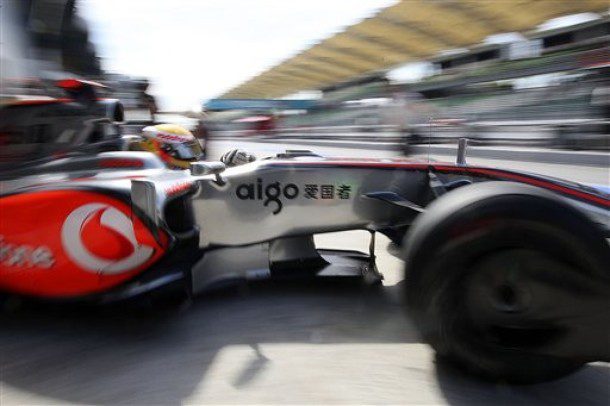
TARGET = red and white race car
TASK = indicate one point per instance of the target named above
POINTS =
(507, 272)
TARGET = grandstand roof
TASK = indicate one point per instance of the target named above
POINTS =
(411, 30)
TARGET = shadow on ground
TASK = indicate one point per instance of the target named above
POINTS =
(116, 355)
(123, 356)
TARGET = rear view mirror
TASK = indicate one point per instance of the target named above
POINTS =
(207, 168)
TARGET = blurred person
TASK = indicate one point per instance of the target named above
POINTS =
(407, 113)
(147, 99)
(202, 131)
(600, 98)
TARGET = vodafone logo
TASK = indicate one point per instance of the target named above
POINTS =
(85, 242)
(101, 239)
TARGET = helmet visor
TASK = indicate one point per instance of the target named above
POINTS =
(188, 150)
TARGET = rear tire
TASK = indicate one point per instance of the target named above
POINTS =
(475, 261)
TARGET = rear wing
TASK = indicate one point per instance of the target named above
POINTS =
(80, 90)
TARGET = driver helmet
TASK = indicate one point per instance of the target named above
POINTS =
(175, 145)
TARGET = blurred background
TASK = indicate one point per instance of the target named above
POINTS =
(387, 73)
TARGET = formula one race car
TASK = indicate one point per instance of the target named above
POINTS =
(507, 272)
(39, 128)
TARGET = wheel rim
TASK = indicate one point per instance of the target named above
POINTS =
(511, 299)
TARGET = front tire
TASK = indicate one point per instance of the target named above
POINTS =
(488, 266)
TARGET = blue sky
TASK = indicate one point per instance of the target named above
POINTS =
(193, 50)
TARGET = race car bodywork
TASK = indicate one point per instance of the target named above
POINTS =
(118, 224)
(270, 203)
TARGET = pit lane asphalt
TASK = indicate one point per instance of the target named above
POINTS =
(322, 343)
